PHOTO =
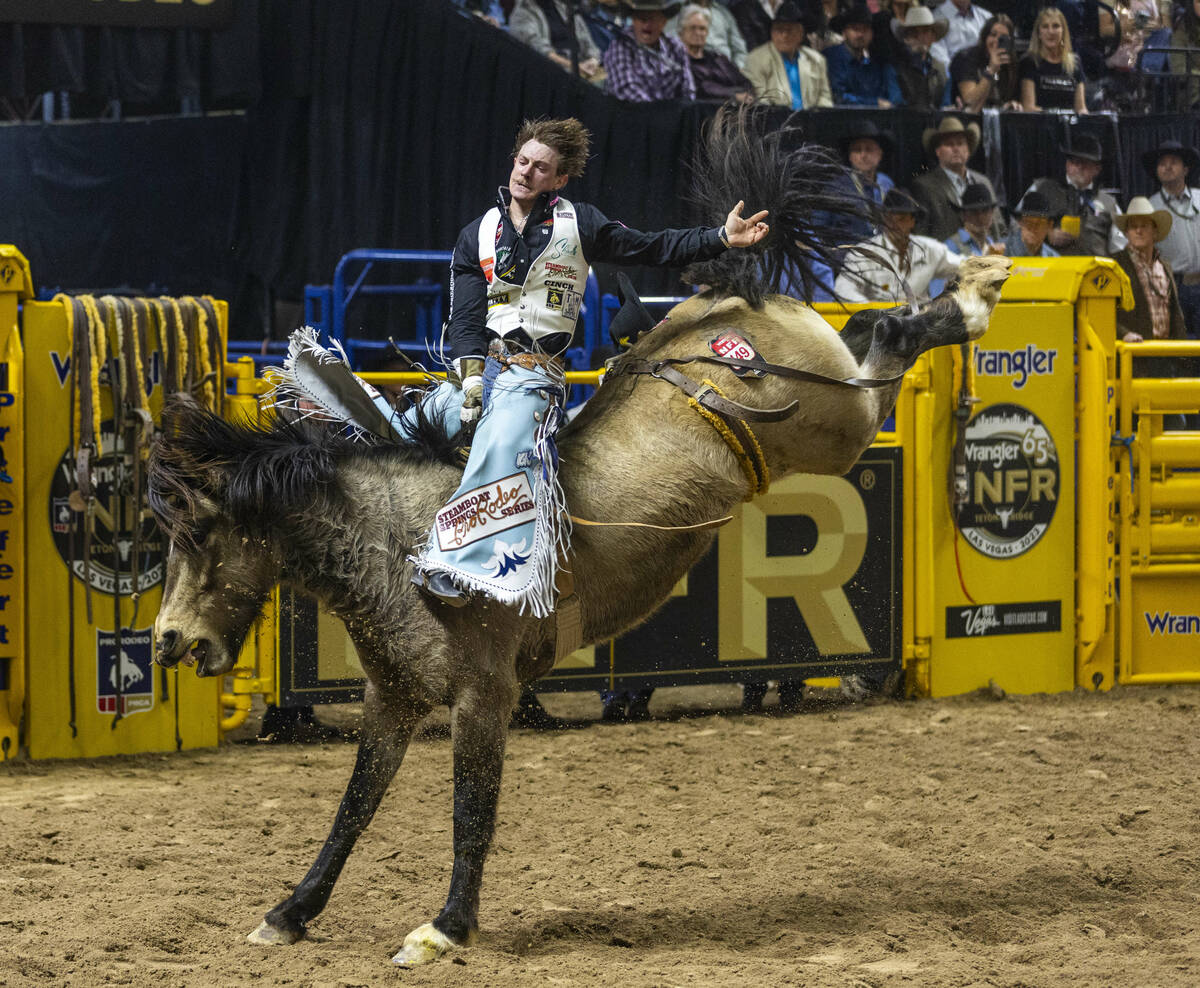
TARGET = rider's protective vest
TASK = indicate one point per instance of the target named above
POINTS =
(551, 298)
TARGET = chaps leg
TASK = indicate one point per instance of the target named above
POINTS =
(386, 733)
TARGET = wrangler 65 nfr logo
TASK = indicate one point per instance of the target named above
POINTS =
(1012, 468)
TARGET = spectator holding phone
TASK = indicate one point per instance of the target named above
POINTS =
(986, 73)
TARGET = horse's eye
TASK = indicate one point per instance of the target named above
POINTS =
(202, 533)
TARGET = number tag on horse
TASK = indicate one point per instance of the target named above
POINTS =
(735, 347)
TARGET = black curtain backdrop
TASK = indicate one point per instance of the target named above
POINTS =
(370, 124)
(140, 66)
(143, 205)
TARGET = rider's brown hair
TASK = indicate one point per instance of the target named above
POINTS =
(568, 137)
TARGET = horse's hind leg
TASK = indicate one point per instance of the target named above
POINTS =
(386, 731)
(479, 727)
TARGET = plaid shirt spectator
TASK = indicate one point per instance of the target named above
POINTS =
(1157, 287)
(640, 74)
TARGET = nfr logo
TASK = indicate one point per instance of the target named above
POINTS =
(1012, 464)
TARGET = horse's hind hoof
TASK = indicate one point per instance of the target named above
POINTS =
(270, 936)
(425, 944)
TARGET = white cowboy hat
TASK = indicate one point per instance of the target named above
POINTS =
(1141, 206)
(920, 17)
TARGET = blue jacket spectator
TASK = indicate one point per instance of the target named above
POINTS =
(1035, 217)
(856, 78)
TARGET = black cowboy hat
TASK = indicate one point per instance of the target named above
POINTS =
(1150, 159)
(977, 196)
(1086, 147)
(867, 129)
(1035, 203)
(901, 201)
(668, 7)
(808, 14)
(860, 13)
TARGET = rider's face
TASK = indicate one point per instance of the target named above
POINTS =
(535, 170)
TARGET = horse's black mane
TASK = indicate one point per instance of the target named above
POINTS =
(256, 471)
(802, 186)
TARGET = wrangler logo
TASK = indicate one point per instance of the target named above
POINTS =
(1019, 364)
(1172, 624)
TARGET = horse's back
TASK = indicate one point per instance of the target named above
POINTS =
(783, 330)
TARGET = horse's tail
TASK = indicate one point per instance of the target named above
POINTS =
(809, 197)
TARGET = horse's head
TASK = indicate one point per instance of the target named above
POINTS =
(215, 489)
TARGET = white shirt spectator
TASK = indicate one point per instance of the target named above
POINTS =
(866, 279)
(965, 25)
(1180, 249)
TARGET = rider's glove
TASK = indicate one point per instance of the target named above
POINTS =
(470, 370)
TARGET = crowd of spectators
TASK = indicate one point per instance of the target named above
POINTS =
(1076, 56)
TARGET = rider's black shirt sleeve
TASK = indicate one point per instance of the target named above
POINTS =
(466, 330)
(607, 240)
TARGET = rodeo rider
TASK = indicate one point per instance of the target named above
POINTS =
(517, 280)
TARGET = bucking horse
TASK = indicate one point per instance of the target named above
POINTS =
(670, 442)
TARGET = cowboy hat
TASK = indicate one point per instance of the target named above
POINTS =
(860, 13)
(1150, 159)
(668, 7)
(948, 127)
(1035, 203)
(1141, 206)
(977, 196)
(916, 17)
(901, 201)
(1086, 147)
(866, 129)
(807, 14)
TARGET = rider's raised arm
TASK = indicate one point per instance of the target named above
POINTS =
(607, 240)
(466, 330)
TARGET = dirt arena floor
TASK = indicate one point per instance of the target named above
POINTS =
(1046, 840)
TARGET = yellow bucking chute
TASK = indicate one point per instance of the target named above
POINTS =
(98, 369)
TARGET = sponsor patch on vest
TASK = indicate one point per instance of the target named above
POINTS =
(563, 300)
(563, 247)
(485, 511)
(500, 298)
(487, 263)
(563, 270)
(734, 347)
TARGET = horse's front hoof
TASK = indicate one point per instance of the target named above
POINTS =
(425, 944)
(271, 936)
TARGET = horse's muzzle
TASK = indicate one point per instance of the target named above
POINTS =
(172, 648)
